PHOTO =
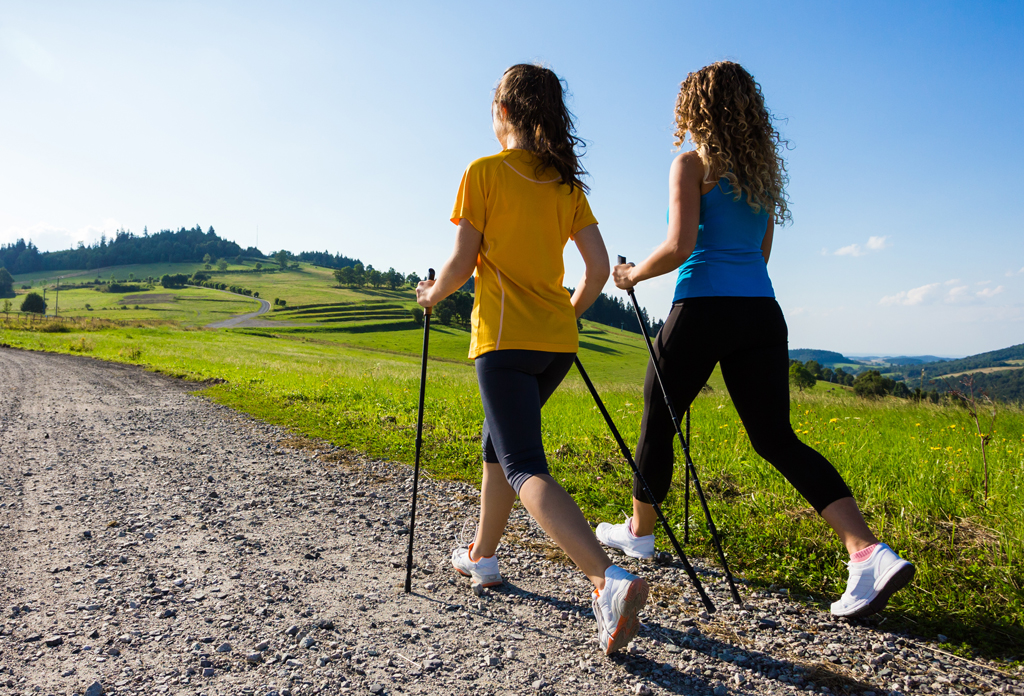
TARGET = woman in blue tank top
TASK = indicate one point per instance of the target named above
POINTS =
(725, 197)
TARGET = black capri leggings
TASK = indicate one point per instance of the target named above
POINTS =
(514, 384)
(748, 336)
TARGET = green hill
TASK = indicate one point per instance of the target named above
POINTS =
(826, 358)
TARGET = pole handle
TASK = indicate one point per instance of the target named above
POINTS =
(430, 276)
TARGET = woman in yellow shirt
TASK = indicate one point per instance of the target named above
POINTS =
(515, 212)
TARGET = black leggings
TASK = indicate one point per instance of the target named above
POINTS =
(514, 384)
(748, 336)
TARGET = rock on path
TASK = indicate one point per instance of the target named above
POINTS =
(152, 542)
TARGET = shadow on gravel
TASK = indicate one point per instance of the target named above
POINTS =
(820, 673)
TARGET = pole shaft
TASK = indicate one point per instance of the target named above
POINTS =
(686, 451)
(419, 447)
(708, 604)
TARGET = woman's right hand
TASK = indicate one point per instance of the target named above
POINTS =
(621, 276)
(423, 298)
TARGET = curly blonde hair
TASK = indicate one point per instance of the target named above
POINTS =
(722, 108)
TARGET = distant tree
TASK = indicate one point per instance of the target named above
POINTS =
(417, 315)
(800, 377)
(902, 390)
(444, 312)
(345, 276)
(259, 266)
(358, 275)
(222, 265)
(463, 308)
(827, 374)
(393, 278)
(871, 384)
(412, 279)
(7, 309)
(6, 283)
(282, 258)
(174, 281)
(814, 367)
(375, 277)
(207, 260)
(34, 303)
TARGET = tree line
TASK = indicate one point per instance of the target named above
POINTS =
(124, 248)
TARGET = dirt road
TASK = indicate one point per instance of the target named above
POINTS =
(153, 542)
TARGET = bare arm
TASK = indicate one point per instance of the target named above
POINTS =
(595, 256)
(684, 185)
(766, 243)
(457, 269)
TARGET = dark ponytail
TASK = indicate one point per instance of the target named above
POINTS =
(534, 101)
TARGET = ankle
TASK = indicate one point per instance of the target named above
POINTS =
(862, 554)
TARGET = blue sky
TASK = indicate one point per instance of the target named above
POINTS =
(346, 127)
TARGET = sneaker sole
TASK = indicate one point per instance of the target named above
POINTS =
(490, 583)
(629, 622)
(894, 583)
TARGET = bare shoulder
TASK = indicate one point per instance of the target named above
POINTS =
(687, 167)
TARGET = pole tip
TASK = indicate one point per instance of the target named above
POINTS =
(430, 274)
(622, 259)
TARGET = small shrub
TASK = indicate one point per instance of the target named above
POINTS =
(34, 303)
(130, 353)
(82, 345)
(53, 327)
(88, 307)
(417, 315)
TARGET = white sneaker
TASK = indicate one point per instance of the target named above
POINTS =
(872, 582)
(620, 536)
(616, 608)
(483, 571)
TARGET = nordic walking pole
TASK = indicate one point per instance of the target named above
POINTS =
(686, 447)
(647, 490)
(686, 499)
(419, 439)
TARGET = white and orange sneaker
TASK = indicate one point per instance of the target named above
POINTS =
(871, 583)
(617, 608)
(483, 571)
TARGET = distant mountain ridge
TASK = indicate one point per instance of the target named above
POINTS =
(826, 358)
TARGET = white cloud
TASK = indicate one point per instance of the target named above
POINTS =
(851, 250)
(873, 244)
(954, 281)
(990, 292)
(910, 298)
(957, 293)
(984, 282)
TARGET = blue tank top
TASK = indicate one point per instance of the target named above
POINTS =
(727, 260)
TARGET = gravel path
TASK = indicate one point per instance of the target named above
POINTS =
(152, 542)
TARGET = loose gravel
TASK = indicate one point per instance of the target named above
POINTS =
(152, 542)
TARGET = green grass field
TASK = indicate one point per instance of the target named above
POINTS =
(915, 468)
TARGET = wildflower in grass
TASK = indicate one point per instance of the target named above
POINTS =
(833, 420)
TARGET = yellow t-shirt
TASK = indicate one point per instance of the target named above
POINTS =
(526, 219)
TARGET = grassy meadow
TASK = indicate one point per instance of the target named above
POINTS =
(352, 377)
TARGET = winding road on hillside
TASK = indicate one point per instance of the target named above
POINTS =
(152, 541)
(240, 319)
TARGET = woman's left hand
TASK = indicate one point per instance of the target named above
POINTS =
(423, 294)
(620, 276)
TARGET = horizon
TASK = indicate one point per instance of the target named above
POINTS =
(347, 128)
